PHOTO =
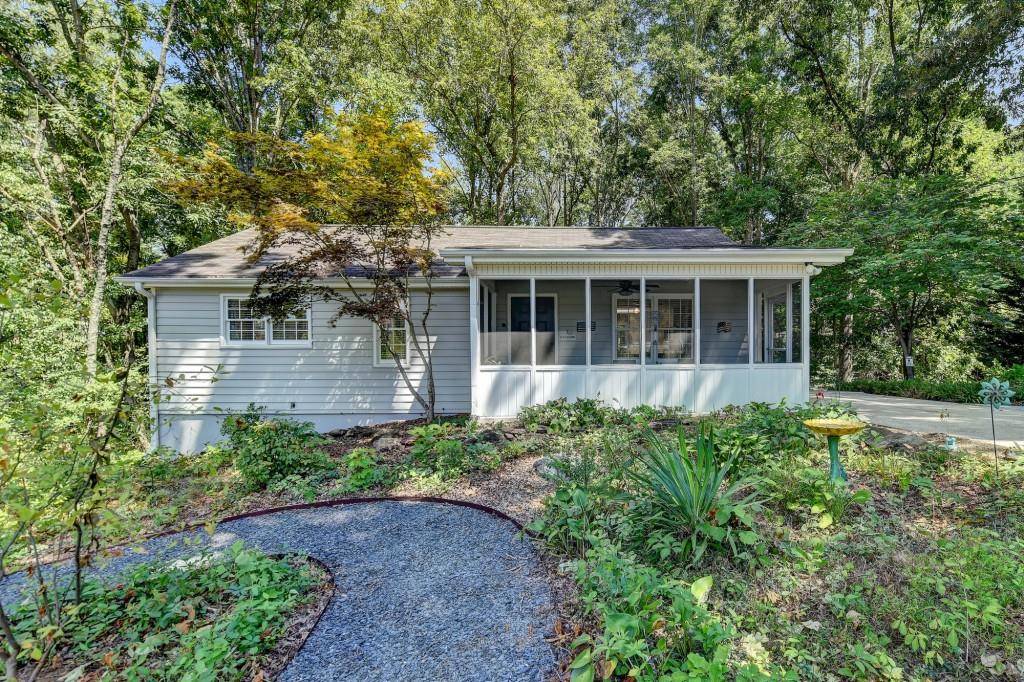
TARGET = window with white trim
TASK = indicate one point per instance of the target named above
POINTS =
(242, 327)
(393, 335)
(670, 329)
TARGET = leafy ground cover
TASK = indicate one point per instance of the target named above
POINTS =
(683, 548)
(724, 552)
(223, 618)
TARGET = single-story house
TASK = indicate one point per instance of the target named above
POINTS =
(520, 315)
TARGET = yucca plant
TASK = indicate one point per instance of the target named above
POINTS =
(694, 497)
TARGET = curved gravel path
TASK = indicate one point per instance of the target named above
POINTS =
(424, 591)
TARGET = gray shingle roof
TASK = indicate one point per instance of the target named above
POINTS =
(225, 258)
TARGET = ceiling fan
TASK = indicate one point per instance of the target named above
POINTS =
(628, 287)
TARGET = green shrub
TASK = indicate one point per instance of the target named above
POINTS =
(695, 500)
(267, 450)
(362, 468)
(585, 414)
(810, 489)
(949, 391)
(209, 620)
(1014, 376)
(562, 416)
(435, 454)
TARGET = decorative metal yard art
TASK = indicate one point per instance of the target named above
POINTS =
(995, 394)
(832, 429)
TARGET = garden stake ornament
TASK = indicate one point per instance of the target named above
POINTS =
(832, 429)
(995, 394)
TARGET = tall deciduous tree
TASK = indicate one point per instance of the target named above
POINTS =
(900, 78)
(491, 80)
(923, 249)
(357, 205)
(91, 88)
(267, 66)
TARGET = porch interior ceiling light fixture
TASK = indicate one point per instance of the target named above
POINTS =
(627, 287)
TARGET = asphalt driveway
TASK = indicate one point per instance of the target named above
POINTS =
(933, 416)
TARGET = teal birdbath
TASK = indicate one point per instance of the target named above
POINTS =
(832, 429)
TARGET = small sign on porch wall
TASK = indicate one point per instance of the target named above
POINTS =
(581, 326)
(724, 327)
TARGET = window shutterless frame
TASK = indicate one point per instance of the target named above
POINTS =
(379, 361)
(653, 299)
(236, 320)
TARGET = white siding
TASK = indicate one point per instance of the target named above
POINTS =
(336, 376)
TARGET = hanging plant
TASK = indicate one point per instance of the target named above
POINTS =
(996, 394)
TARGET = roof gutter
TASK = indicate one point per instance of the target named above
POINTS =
(713, 255)
(249, 282)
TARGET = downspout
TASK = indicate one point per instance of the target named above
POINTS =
(154, 404)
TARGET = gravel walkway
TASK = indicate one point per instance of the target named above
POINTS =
(425, 591)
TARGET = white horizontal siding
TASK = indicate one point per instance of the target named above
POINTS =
(336, 375)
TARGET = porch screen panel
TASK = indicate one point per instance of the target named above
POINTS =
(724, 337)
(615, 321)
(561, 322)
(670, 318)
(776, 321)
(504, 322)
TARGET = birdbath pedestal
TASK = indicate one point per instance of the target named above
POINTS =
(832, 429)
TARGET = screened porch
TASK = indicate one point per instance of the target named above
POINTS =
(700, 342)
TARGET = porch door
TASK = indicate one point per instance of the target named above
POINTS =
(519, 324)
(775, 332)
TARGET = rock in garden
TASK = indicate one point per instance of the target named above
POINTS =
(387, 442)
(545, 468)
(490, 436)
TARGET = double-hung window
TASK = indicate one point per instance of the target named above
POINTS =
(670, 329)
(668, 332)
(241, 327)
(393, 335)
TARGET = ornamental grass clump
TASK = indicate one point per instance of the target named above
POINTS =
(694, 497)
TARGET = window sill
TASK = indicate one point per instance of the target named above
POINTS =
(262, 345)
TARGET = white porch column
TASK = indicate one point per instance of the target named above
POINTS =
(750, 321)
(789, 322)
(698, 400)
(532, 322)
(696, 322)
(474, 335)
(805, 333)
(643, 327)
(586, 316)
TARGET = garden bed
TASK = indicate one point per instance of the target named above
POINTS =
(241, 615)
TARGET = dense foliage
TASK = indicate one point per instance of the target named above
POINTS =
(900, 574)
(209, 620)
(268, 450)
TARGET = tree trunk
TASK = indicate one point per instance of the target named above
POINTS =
(907, 346)
(92, 334)
(846, 349)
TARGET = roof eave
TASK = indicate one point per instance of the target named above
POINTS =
(743, 255)
(228, 282)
